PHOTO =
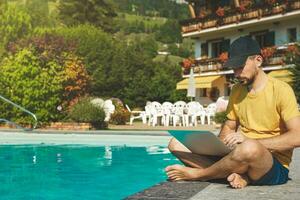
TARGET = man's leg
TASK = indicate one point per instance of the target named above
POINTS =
(250, 158)
(187, 157)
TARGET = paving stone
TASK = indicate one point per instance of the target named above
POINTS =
(170, 191)
(290, 191)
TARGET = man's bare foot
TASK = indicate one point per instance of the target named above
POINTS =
(238, 181)
(179, 172)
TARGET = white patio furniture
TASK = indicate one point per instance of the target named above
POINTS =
(167, 108)
(156, 113)
(136, 115)
(221, 104)
(210, 111)
(148, 114)
(109, 108)
(194, 110)
(178, 113)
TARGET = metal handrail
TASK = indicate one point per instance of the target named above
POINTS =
(24, 110)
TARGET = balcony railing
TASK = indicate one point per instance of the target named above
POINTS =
(234, 16)
(274, 56)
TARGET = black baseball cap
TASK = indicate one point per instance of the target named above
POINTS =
(240, 50)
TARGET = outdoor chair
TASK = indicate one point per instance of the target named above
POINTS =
(148, 113)
(210, 111)
(136, 115)
(167, 109)
(156, 113)
(178, 113)
(194, 110)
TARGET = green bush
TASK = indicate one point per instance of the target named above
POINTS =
(220, 117)
(34, 86)
(121, 115)
(84, 111)
(15, 23)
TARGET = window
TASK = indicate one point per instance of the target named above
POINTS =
(204, 50)
(292, 34)
(219, 47)
(203, 92)
(264, 38)
(216, 49)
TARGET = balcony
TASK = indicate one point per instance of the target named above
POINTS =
(273, 56)
(229, 16)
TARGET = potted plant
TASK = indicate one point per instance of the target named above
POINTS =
(220, 12)
(268, 52)
(223, 57)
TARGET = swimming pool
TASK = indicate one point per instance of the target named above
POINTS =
(74, 172)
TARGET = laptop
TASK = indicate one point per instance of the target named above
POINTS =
(201, 142)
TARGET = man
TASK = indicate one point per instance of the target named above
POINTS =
(262, 128)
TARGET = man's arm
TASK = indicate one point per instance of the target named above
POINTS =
(230, 126)
(286, 141)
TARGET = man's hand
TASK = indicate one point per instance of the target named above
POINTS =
(232, 139)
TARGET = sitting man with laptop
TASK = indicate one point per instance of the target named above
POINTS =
(262, 128)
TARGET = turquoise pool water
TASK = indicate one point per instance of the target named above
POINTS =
(79, 172)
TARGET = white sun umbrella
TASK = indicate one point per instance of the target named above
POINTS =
(191, 92)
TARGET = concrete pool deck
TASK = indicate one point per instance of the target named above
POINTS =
(103, 138)
(216, 191)
(165, 190)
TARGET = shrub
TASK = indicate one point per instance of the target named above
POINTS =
(220, 117)
(121, 115)
(47, 66)
(32, 85)
(85, 111)
(15, 23)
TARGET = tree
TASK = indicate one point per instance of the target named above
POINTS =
(169, 32)
(39, 12)
(26, 83)
(97, 12)
(15, 23)
(40, 74)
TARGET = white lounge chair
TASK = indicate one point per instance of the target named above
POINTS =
(136, 115)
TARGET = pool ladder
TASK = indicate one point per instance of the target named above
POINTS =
(24, 110)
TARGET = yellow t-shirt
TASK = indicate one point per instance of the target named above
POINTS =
(262, 115)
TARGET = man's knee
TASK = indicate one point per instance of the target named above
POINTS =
(173, 145)
(249, 150)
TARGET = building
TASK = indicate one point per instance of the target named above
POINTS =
(215, 24)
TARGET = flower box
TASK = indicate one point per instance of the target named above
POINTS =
(295, 5)
(275, 60)
(232, 19)
(209, 24)
(251, 14)
(191, 28)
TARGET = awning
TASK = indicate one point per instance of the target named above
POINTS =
(201, 82)
(282, 74)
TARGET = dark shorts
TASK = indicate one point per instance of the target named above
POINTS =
(277, 175)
